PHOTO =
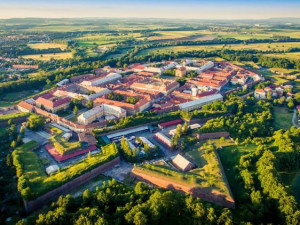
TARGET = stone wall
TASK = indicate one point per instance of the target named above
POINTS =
(204, 194)
(66, 188)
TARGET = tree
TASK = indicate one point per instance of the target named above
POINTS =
(22, 130)
(90, 104)
(13, 144)
(86, 196)
(291, 104)
(35, 122)
(75, 110)
(9, 160)
(10, 122)
(140, 219)
(185, 128)
(187, 116)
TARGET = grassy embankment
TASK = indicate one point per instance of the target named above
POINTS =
(207, 176)
(33, 181)
(60, 143)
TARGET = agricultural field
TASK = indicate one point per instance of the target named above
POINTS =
(289, 55)
(108, 40)
(47, 46)
(282, 118)
(243, 34)
(182, 35)
(280, 46)
(49, 56)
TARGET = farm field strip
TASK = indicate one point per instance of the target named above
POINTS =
(258, 46)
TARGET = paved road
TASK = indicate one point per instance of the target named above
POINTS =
(294, 119)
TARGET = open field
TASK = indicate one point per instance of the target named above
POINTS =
(257, 46)
(183, 35)
(47, 46)
(13, 96)
(282, 118)
(47, 57)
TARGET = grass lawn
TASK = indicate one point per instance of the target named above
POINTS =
(13, 116)
(49, 56)
(282, 118)
(295, 186)
(31, 94)
(230, 157)
(32, 170)
(2, 130)
(13, 96)
(292, 179)
(91, 185)
(47, 46)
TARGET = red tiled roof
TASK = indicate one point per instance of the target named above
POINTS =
(170, 123)
(26, 105)
(46, 100)
(260, 91)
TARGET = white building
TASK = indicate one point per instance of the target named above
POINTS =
(63, 82)
(99, 111)
(198, 103)
(146, 141)
(102, 80)
(99, 93)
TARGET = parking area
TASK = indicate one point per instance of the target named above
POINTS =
(40, 137)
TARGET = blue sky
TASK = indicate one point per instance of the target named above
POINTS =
(191, 9)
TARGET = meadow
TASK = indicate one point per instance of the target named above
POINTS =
(48, 57)
(282, 118)
(47, 46)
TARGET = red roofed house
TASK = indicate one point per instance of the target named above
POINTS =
(52, 103)
(25, 107)
(260, 94)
